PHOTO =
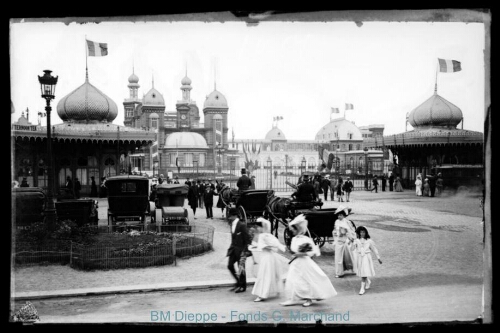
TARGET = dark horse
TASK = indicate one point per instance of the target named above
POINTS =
(227, 196)
(278, 210)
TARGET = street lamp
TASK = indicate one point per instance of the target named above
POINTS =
(270, 171)
(219, 154)
(48, 88)
(365, 151)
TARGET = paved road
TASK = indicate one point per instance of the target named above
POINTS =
(432, 271)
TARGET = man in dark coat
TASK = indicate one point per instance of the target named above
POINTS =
(192, 197)
(391, 182)
(93, 187)
(24, 182)
(209, 201)
(69, 185)
(176, 180)
(240, 239)
(375, 184)
(305, 191)
(244, 182)
(201, 193)
(384, 182)
(325, 185)
(432, 183)
(78, 188)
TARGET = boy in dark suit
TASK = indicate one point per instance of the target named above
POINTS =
(240, 239)
(209, 201)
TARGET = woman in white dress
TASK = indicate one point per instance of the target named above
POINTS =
(343, 236)
(418, 185)
(364, 247)
(305, 281)
(271, 272)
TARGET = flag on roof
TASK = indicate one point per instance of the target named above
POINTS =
(349, 106)
(97, 49)
(449, 66)
(335, 110)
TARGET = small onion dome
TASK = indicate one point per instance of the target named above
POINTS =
(275, 134)
(436, 111)
(133, 78)
(186, 81)
(215, 100)
(153, 97)
(87, 104)
(184, 140)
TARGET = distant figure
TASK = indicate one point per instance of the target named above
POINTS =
(192, 197)
(333, 185)
(384, 182)
(432, 184)
(104, 190)
(305, 191)
(15, 184)
(418, 186)
(244, 182)
(160, 179)
(24, 182)
(347, 187)
(93, 187)
(252, 180)
(340, 191)
(325, 184)
(398, 187)
(176, 180)
(391, 182)
(275, 174)
(209, 201)
(426, 192)
(375, 184)
(439, 185)
(69, 185)
(78, 188)
(187, 182)
(201, 193)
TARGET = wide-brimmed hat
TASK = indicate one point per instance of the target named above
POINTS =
(266, 225)
(342, 209)
(300, 222)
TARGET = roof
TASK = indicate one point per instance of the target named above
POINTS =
(184, 140)
(87, 104)
(153, 97)
(435, 111)
(215, 100)
(343, 127)
(423, 136)
(275, 134)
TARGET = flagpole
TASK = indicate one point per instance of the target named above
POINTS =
(436, 83)
(86, 56)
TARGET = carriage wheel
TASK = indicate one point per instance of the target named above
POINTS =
(318, 240)
(287, 236)
(242, 215)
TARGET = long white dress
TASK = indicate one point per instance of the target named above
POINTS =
(305, 280)
(344, 258)
(418, 187)
(364, 248)
(272, 270)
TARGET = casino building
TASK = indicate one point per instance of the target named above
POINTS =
(435, 144)
(85, 144)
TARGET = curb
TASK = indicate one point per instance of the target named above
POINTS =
(26, 296)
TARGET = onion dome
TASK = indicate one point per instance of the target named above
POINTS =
(133, 78)
(186, 81)
(215, 100)
(435, 112)
(346, 131)
(183, 140)
(275, 134)
(87, 104)
(153, 97)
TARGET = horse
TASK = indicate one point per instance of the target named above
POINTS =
(277, 209)
(227, 196)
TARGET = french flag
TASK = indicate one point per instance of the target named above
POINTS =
(97, 49)
(449, 66)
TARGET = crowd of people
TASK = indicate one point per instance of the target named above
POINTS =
(430, 186)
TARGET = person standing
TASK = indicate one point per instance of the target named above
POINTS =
(364, 246)
(201, 193)
(375, 184)
(78, 188)
(439, 185)
(188, 182)
(384, 182)
(391, 182)
(418, 186)
(325, 184)
(176, 180)
(69, 185)
(192, 197)
(348, 186)
(240, 239)
(269, 282)
(209, 202)
(398, 186)
(340, 191)
(305, 280)
(317, 186)
(93, 187)
(305, 191)
(252, 180)
(426, 191)
(220, 203)
(342, 236)
(244, 182)
(432, 184)
(333, 185)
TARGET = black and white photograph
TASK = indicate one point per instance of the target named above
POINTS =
(252, 168)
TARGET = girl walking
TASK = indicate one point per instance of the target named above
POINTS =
(418, 186)
(305, 281)
(270, 276)
(364, 246)
(426, 191)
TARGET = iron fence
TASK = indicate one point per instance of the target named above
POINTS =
(120, 250)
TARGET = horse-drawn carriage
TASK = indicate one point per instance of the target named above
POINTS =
(247, 205)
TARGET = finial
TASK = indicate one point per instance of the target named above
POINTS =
(435, 88)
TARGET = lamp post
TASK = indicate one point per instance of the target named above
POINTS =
(48, 88)
(365, 151)
(219, 154)
(337, 163)
(303, 164)
(270, 171)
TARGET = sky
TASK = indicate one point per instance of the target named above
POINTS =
(296, 70)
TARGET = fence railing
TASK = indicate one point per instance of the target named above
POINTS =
(147, 249)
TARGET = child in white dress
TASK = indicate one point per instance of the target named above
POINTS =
(269, 282)
(344, 234)
(305, 279)
(364, 246)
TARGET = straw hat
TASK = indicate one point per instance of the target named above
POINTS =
(266, 225)
(343, 209)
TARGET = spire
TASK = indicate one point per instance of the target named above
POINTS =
(215, 77)
(133, 66)
(153, 80)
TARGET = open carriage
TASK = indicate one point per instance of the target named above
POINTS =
(320, 224)
(251, 204)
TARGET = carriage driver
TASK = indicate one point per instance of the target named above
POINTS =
(244, 182)
(305, 191)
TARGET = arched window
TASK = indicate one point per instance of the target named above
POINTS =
(42, 173)
(153, 120)
(202, 159)
(109, 167)
(65, 171)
